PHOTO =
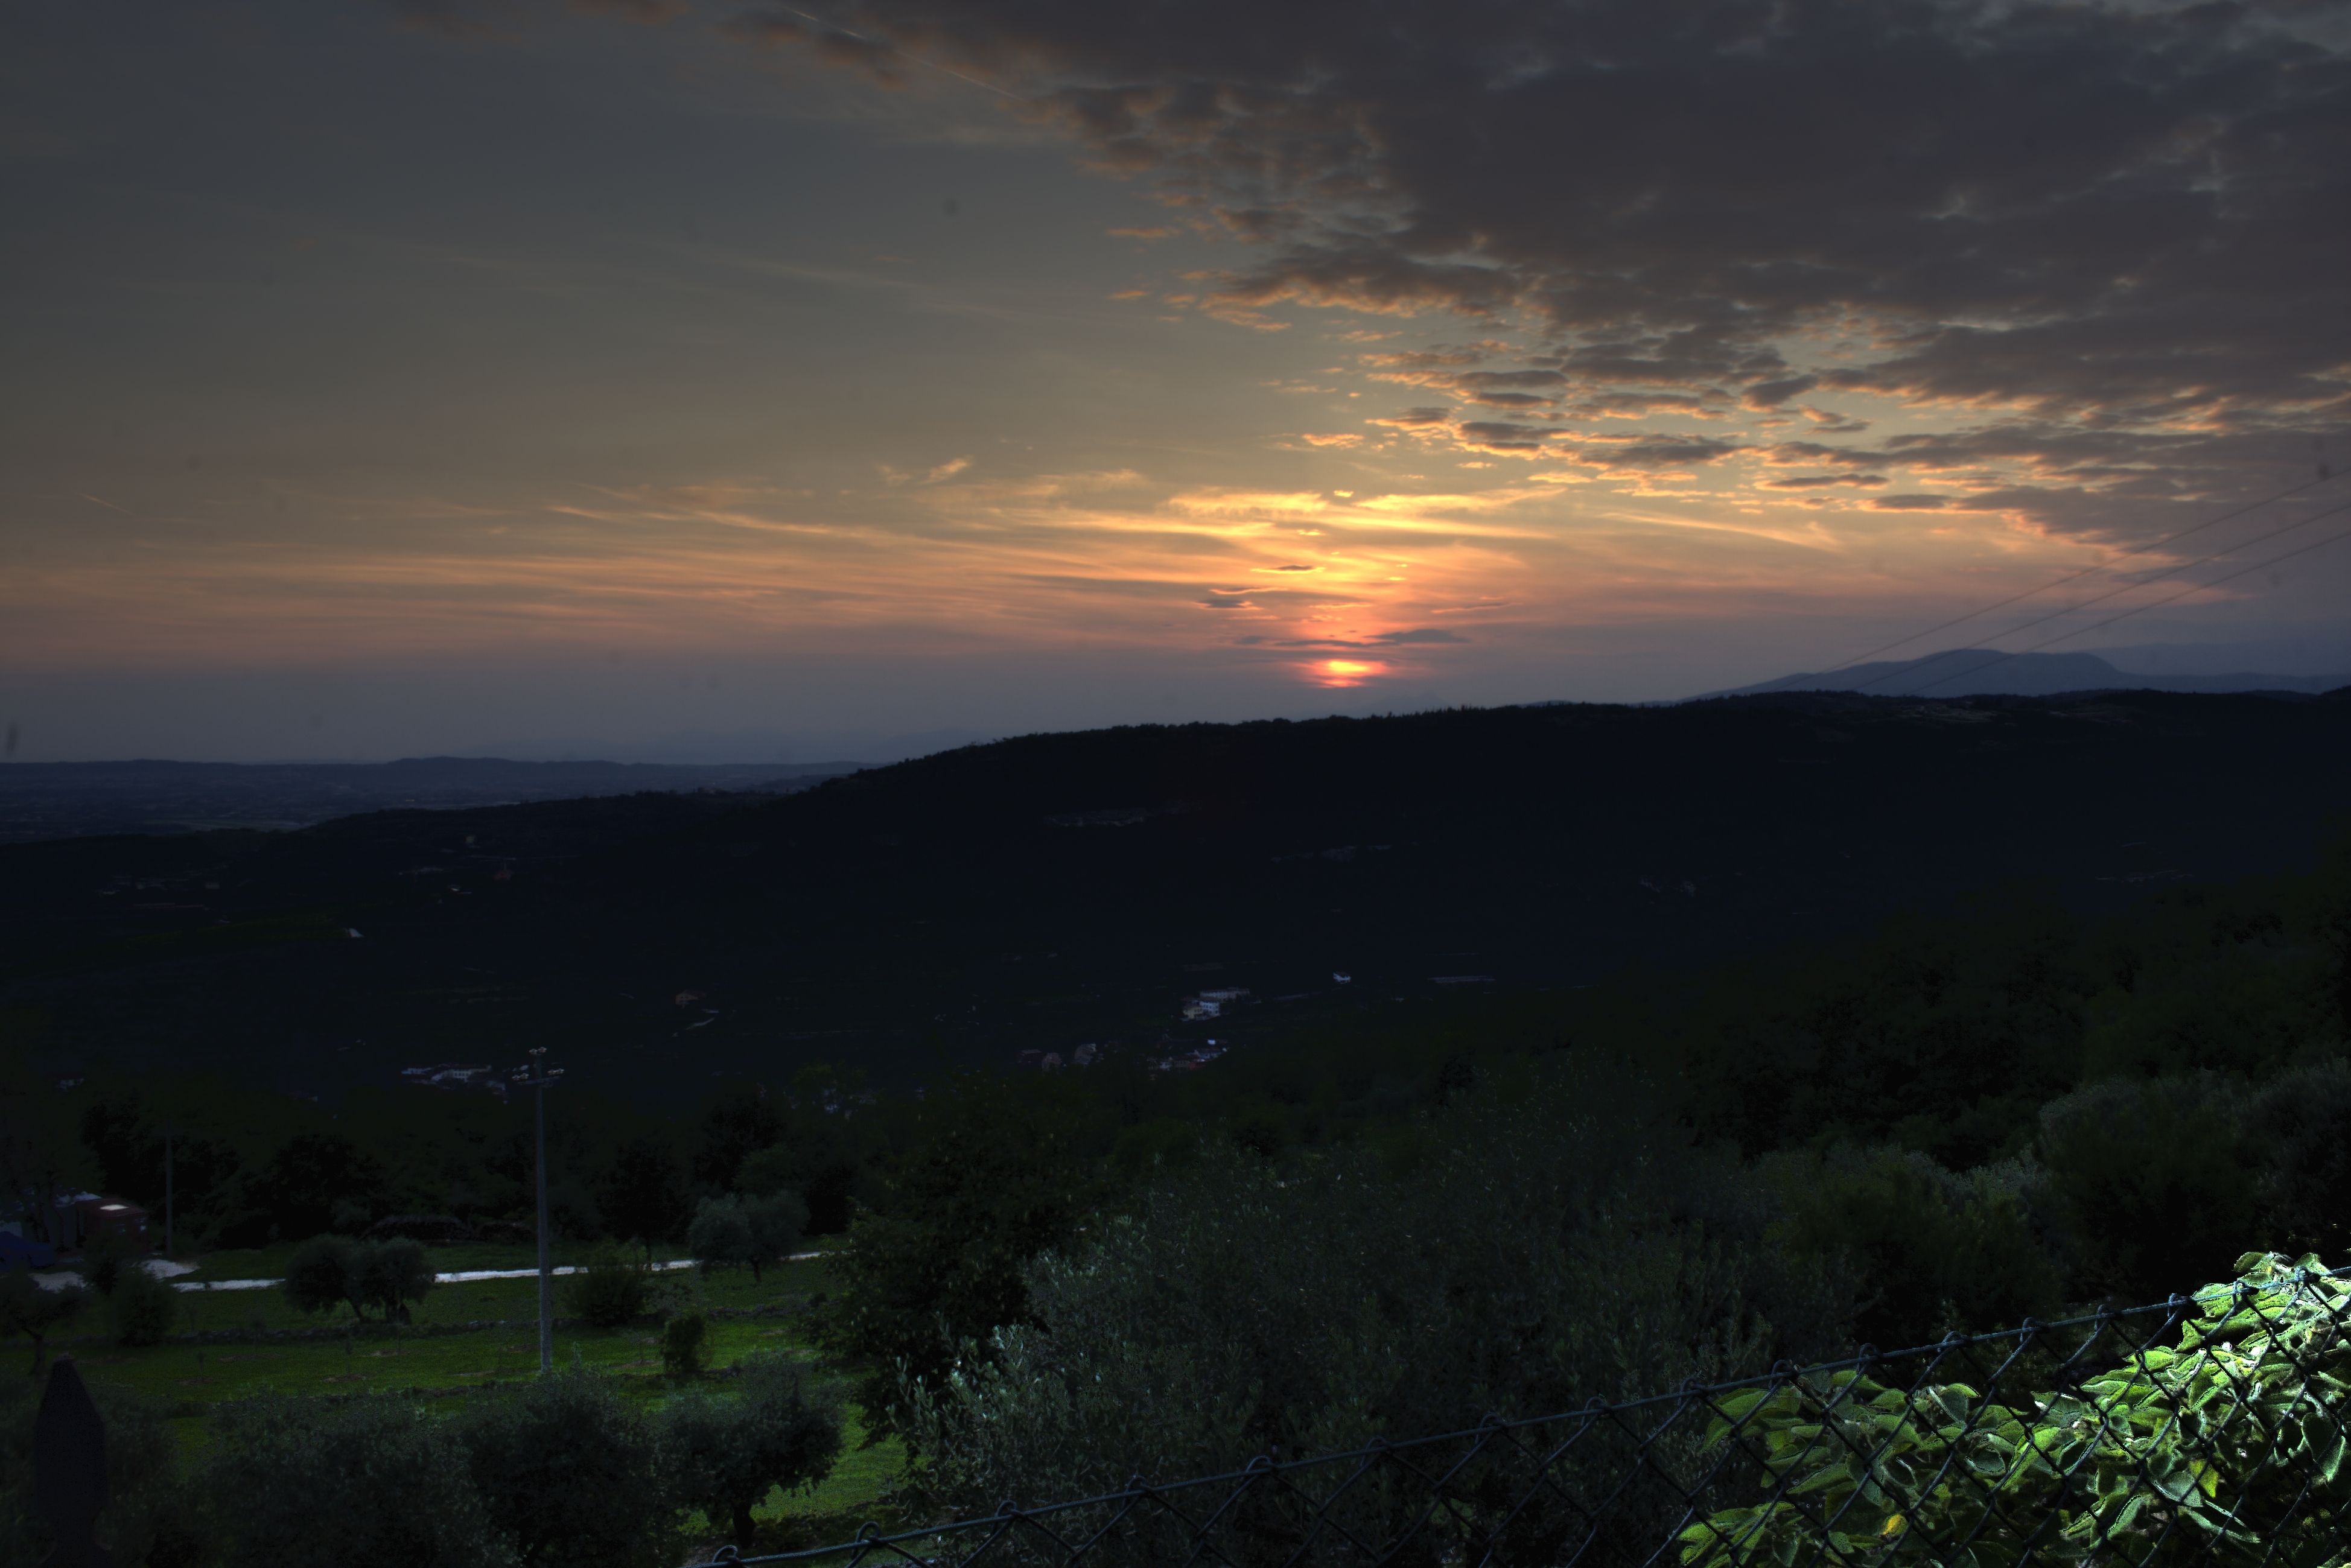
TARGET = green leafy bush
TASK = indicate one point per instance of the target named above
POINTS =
(109, 1255)
(2158, 1183)
(2183, 1453)
(2301, 1123)
(1162, 1141)
(1936, 1251)
(609, 1290)
(682, 1339)
(142, 1309)
(1548, 1252)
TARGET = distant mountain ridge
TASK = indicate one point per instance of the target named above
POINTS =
(70, 799)
(1988, 671)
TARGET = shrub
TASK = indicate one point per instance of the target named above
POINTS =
(109, 1255)
(1566, 1249)
(1936, 1250)
(2156, 1182)
(725, 1453)
(570, 1472)
(1144, 1147)
(302, 1484)
(143, 1308)
(609, 1291)
(682, 1339)
(766, 1172)
(2301, 1122)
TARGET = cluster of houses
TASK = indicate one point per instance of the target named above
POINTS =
(1188, 1061)
(1205, 1005)
(453, 1077)
(1210, 1004)
(1053, 1062)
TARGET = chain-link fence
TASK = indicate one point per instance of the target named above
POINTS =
(2209, 1428)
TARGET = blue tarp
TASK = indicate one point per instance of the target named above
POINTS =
(15, 1252)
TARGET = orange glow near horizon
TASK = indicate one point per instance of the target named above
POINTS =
(961, 556)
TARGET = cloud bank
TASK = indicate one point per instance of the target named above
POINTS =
(2104, 244)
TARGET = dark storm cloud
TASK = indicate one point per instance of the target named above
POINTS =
(1638, 451)
(1771, 394)
(1495, 436)
(2157, 465)
(2090, 217)
(1495, 389)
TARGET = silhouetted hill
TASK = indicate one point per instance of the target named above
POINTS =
(1987, 672)
(1055, 889)
(71, 799)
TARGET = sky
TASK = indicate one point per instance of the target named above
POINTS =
(714, 380)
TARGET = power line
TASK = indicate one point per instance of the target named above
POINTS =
(2126, 588)
(2183, 593)
(2325, 475)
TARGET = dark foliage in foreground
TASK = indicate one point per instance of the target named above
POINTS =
(565, 1469)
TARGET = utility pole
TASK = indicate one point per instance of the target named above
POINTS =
(167, 1189)
(538, 1078)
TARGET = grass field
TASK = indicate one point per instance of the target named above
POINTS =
(438, 1356)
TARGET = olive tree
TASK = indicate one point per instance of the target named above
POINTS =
(570, 1472)
(328, 1271)
(726, 1452)
(751, 1231)
(27, 1309)
(301, 1483)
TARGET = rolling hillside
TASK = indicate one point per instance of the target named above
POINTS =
(1050, 890)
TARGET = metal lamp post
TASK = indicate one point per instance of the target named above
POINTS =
(537, 1077)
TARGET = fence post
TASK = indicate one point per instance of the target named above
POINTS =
(69, 1469)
